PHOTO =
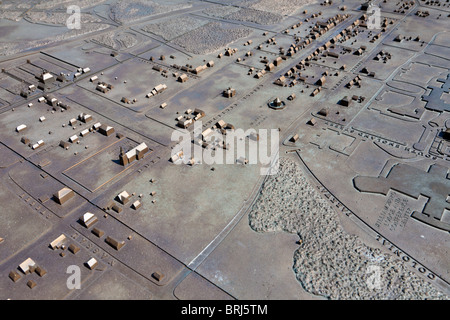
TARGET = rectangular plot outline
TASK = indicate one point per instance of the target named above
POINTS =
(98, 152)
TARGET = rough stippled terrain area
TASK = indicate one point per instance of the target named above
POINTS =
(330, 262)
(210, 37)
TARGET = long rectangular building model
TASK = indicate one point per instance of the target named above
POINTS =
(136, 153)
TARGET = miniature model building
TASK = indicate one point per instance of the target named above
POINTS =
(277, 104)
(106, 130)
(229, 93)
(136, 153)
(63, 195)
(224, 150)
(88, 219)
